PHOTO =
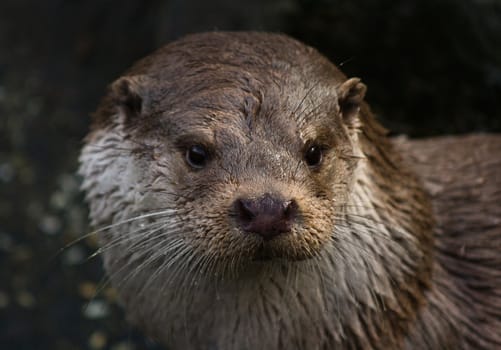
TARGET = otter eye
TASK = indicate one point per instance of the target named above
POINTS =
(313, 155)
(197, 156)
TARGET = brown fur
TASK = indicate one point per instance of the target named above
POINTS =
(370, 263)
(462, 176)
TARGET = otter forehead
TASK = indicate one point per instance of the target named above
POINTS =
(246, 115)
(246, 72)
(232, 79)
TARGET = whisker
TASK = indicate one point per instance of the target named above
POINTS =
(123, 222)
(134, 235)
(137, 269)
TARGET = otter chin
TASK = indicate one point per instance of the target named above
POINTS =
(246, 197)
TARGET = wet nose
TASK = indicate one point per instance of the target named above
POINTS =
(267, 216)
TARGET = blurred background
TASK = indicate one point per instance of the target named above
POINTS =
(432, 67)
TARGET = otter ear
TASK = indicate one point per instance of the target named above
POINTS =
(351, 93)
(129, 95)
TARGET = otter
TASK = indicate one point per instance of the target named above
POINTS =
(247, 198)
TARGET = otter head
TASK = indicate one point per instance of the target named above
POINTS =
(223, 155)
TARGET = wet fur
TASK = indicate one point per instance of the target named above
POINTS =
(381, 258)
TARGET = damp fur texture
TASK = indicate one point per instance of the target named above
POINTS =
(396, 244)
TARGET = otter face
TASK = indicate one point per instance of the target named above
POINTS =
(237, 172)
(252, 182)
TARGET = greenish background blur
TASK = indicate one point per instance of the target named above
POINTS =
(432, 67)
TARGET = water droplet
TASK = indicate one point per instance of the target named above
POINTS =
(25, 299)
(73, 256)
(50, 224)
(7, 172)
(98, 340)
(96, 309)
(4, 300)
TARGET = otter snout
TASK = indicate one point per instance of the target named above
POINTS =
(267, 216)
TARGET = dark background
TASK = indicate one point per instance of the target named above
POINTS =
(432, 67)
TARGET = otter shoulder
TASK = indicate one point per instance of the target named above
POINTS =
(462, 176)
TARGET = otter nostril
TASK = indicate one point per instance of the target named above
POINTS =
(245, 210)
(290, 209)
(267, 216)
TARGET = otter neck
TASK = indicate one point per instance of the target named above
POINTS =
(390, 217)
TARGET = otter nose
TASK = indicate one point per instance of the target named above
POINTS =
(267, 216)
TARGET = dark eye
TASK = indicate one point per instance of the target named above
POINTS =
(197, 156)
(313, 155)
